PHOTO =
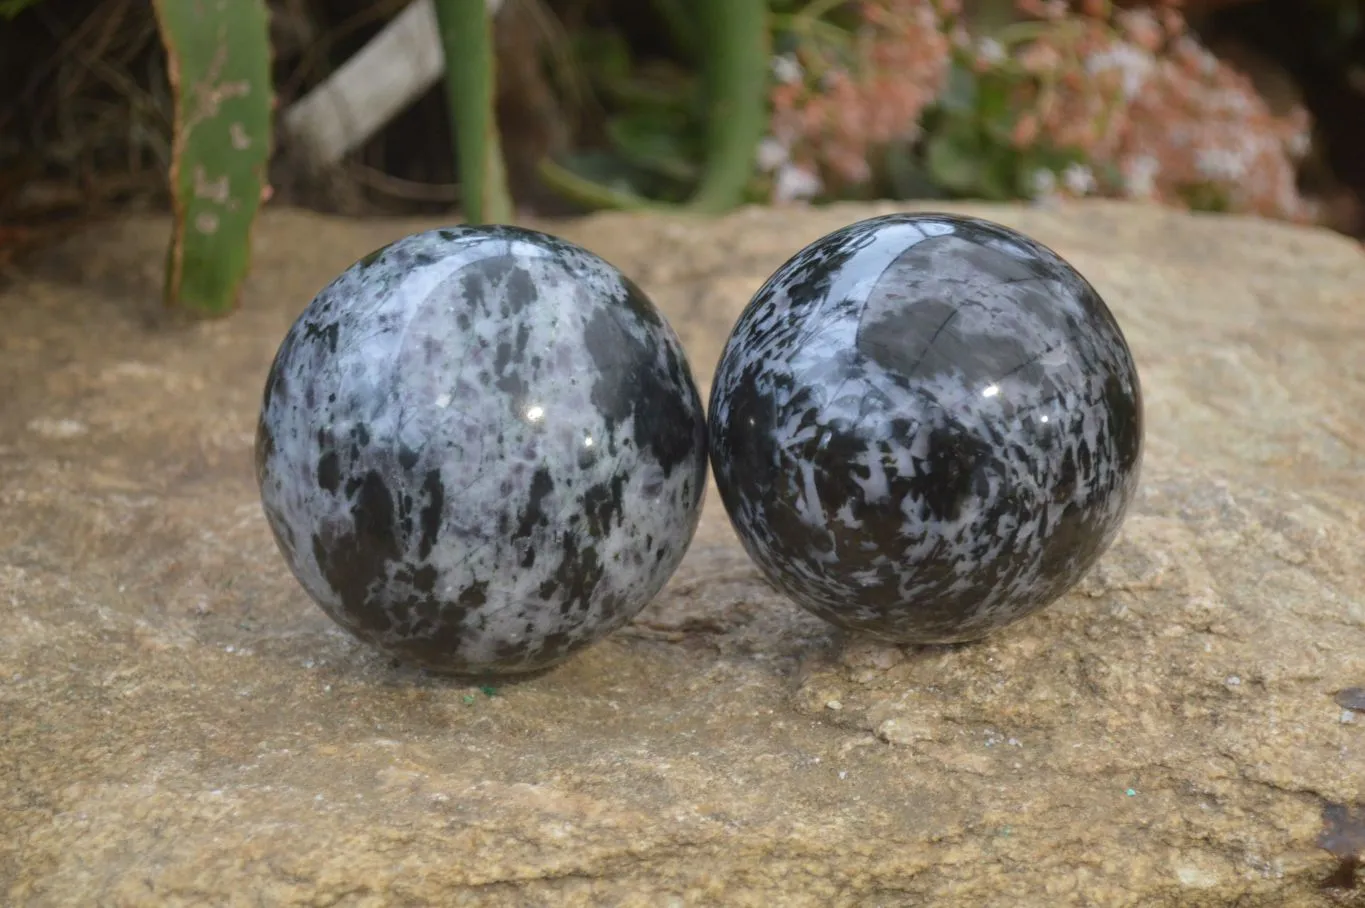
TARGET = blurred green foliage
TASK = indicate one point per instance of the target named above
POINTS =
(682, 125)
(11, 8)
(676, 135)
(970, 151)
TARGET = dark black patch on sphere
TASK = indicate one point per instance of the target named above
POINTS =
(353, 559)
(920, 336)
(1126, 408)
(639, 381)
(326, 334)
(329, 471)
(952, 473)
(264, 448)
(432, 512)
(640, 306)
(533, 515)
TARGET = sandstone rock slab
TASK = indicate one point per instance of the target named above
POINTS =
(179, 725)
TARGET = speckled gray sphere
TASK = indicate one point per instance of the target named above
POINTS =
(481, 449)
(925, 427)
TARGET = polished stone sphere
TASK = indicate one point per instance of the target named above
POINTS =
(925, 427)
(481, 450)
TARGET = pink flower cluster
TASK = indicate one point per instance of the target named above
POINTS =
(1131, 90)
(833, 106)
(1199, 122)
(1135, 90)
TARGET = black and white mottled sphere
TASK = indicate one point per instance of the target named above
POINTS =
(925, 427)
(481, 449)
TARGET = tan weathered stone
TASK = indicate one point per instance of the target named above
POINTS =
(180, 726)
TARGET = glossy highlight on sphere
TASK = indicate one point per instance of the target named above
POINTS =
(925, 427)
(481, 450)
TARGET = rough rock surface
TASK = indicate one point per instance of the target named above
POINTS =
(180, 725)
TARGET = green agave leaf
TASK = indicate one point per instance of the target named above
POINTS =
(219, 63)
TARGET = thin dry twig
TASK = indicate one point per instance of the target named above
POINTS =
(399, 188)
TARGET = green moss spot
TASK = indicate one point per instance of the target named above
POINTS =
(373, 257)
